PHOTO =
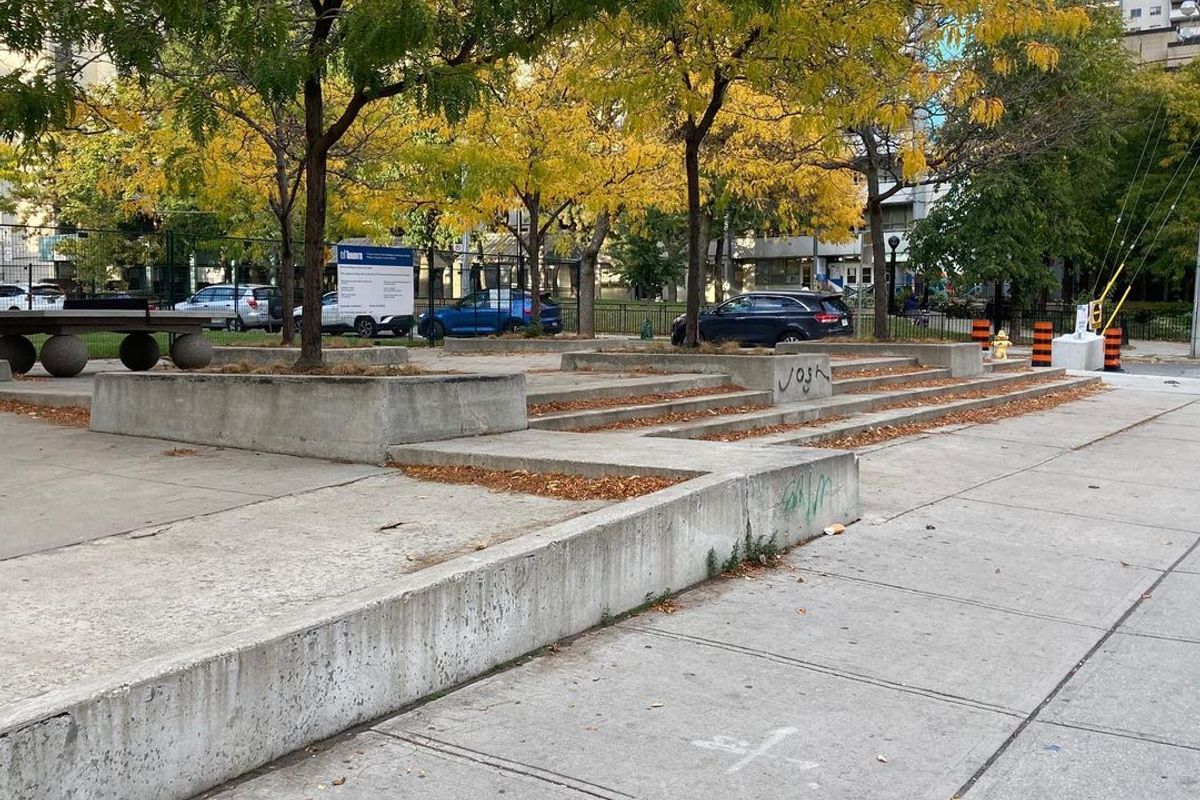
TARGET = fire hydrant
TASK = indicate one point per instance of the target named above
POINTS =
(1000, 346)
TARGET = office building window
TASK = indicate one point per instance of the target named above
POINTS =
(1134, 13)
(1155, 11)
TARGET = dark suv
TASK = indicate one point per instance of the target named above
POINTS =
(764, 319)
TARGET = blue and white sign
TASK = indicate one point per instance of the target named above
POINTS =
(375, 281)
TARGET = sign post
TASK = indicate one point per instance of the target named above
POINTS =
(375, 281)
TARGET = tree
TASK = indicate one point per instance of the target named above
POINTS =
(928, 112)
(651, 251)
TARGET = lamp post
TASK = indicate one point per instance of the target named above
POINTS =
(893, 243)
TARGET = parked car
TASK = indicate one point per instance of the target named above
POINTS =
(334, 321)
(253, 309)
(489, 312)
(43, 297)
(764, 319)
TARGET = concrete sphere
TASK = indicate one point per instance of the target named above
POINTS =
(19, 352)
(139, 352)
(191, 351)
(64, 356)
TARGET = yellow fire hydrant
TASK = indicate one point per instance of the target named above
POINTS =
(1000, 346)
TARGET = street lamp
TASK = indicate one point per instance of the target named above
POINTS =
(893, 242)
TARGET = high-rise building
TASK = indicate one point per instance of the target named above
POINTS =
(1164, 32)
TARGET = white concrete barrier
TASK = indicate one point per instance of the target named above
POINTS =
(264, 356)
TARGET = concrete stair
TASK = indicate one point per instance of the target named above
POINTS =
(844, 405)
(1010, 365)
(882, 382)
(591, 418)
(587, 386)
(903, 416)
(841, 366)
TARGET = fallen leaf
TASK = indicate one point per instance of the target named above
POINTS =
(338, 781)
(802, 611)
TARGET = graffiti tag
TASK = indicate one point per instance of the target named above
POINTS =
(803, 378)
(805, 494)
(740, 747)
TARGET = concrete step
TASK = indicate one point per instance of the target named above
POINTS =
(842, 405)
(882, 382)
(590, 418)
(1010, 365)
(570, 386)
(903, 416)
(843, 365)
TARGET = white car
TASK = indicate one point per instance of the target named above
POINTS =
(253, 306)
(333, 321)
(43, 297)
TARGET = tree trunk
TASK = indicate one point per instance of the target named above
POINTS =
(287, 277)
(535, 251)
(314, 222)
(588, 256)
(879, 262)
(696, 256)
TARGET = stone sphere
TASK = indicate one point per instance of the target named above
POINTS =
(139, 352)
(19, 352)
(191, 351)
(64, 356)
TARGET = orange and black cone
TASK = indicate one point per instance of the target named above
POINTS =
(981, 333)
(1112, 350)
(1043, 338)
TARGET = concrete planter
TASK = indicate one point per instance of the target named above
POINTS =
(540, 345)
(790, 379)
(266, 356)
(352, 418)
(963, 360)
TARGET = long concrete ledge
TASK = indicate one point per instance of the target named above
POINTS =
(177, 725)
(341, 417)
(492, 344)
(263, 356)
(790, 379)
(963, 360)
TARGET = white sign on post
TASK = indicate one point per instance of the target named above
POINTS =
(1082, 317)
(375, 281)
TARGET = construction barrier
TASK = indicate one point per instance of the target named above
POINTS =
(1043, 340)
(1112, 350)
(981, 332)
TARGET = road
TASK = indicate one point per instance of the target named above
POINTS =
(1016, 616)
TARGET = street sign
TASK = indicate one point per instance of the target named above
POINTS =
(1082, 317)
(1096, 312)
(375, 281)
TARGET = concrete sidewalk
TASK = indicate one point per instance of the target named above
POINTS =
(1015, 617)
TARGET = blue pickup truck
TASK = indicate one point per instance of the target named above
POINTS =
(489, 312)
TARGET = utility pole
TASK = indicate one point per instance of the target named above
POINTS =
(1196, 306)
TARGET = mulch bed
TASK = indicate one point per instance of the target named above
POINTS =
(70, 416)
(546, 484)
(541, 409)
(669, 419)
(980, 416)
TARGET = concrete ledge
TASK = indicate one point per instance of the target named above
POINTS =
(790, 379)
(175, 726)
(341, 417)
(536, 345)
(5, 372)
(849, 385)
(264, 356)
(595, 417)
(36, 395)
(964, 360)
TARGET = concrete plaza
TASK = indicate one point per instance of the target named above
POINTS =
(1015, 616)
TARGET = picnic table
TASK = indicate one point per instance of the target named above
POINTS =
(64, 354)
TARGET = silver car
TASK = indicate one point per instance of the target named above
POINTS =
(18, 297)
(253, 309)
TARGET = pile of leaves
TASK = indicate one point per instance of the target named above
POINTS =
(767, 430)
(671, 419)
(546, 484)
(70, 416)
(876, 372)
(980, 416)
(541, 409)
(967, 394)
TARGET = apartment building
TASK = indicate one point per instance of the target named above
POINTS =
(1162, 32)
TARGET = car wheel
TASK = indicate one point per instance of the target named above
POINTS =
(512, 326)
(790, 336)
(433, 328)
(235, 324)
(365, 328)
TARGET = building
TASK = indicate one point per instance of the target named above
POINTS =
(1162, 32)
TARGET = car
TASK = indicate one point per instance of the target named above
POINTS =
(489, 312)
(43, 297)
(333, 321)
(253, 306)
(765, 319)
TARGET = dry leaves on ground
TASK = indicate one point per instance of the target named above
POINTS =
(876, 372)
(546, 484)
(541, 409)
(767, 430)
(670, 419)
(70, 416)
(363, 370)
(979, 416)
